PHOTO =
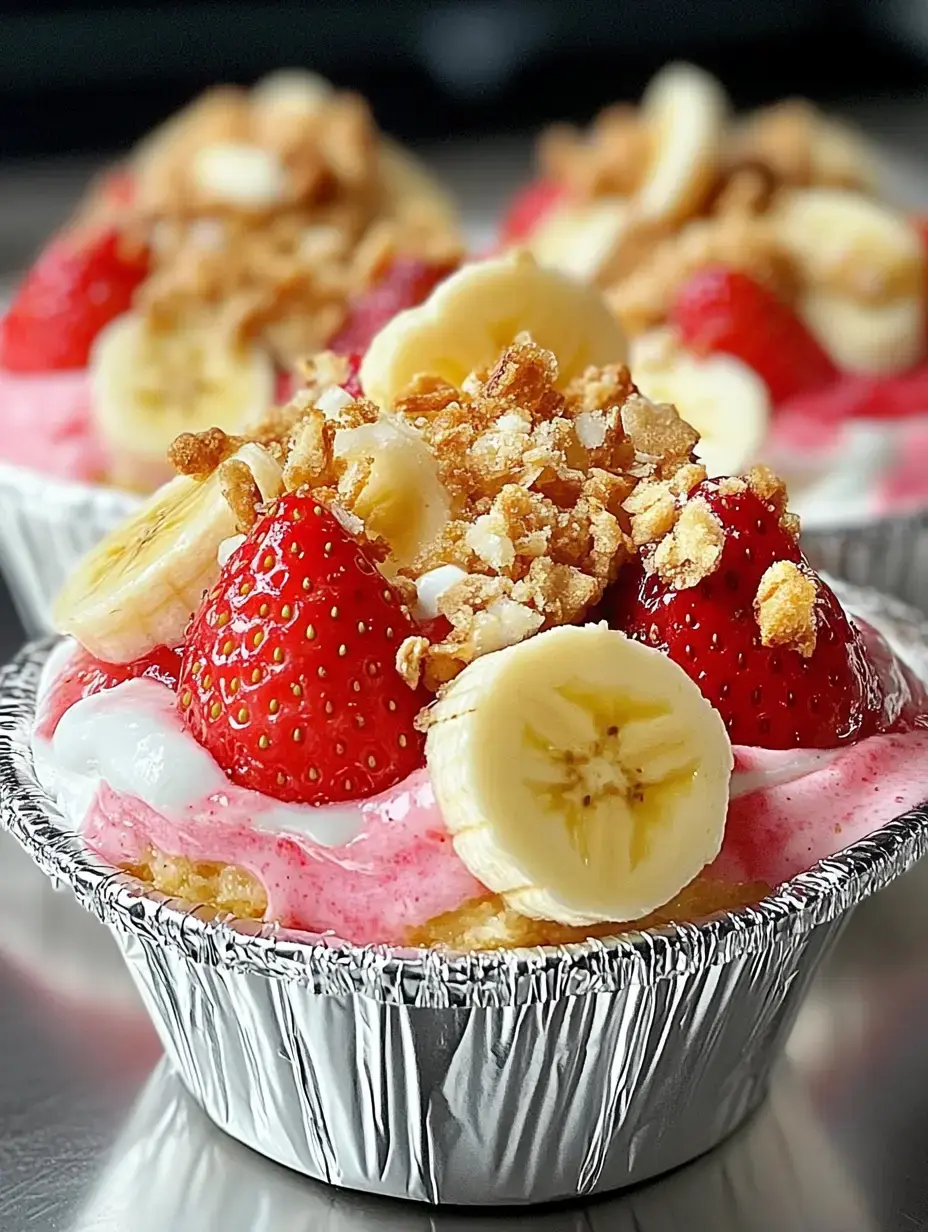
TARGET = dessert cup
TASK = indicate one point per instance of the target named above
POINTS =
(251, 230)
(505, 1077)
(769, 285)
(780, 1171)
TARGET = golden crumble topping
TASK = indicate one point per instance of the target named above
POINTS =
(529, 499)
(785, 607)
(269, 217)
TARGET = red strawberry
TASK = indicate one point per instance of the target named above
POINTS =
(528, 207)
(288, 676)
(725, 310)
(86, 674)
(771, 697)
(407, 281)
(75, 288)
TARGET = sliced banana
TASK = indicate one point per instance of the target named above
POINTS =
(582, 775)
(849, 244)
(469, 319)
(685, 110)
(724, 399)
(581, 238)
(149, 385)
(139, 586)
(867, 337)
(403, 500)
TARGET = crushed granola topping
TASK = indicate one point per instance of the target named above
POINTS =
(241, 493)
(692, 550)
(546, 494)
(785, 608)
(199, 453)
(269, 218)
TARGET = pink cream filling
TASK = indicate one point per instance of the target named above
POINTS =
(47, 424)
(398, 867)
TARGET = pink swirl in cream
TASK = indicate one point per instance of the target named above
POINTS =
(127, 774)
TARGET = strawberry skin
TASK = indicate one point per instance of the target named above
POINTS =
(528, 208)
(76, 287)
(898, 396)
(725, 310)
(770, 697)
(406, 282)
(289, 677)
(86, 674)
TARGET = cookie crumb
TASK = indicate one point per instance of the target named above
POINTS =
(692, 550)
(197, 454)
(785, 608)
(241, 492)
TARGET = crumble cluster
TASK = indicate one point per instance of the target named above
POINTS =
(263, 218)
(544, 495)
(759, 162)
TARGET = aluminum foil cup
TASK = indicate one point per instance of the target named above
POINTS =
(46, 526)
(506, 1077)
(890, 554)
(779, 1172)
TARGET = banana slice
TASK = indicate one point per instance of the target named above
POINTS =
(724, 399)
(848, 244)
(475, 314)
(582, 775)
(403, 500)
(867, 337)
(138, 587)
(685, 110)
(581, 239)
(150, 385)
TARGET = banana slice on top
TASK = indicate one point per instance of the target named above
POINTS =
(867, 338)
(583, 776)
(722, 398)
(149, 385)
(685, 110)
(139, 586)
(476, 313)
(403, 500)
(581, 238)
(848, 244)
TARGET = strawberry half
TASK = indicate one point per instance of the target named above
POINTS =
(406, 282)
(725, 310)
(770, 697)
(76, 287)
(86, 674)
(289, 676)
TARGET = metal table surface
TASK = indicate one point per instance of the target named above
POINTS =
(96, 1135)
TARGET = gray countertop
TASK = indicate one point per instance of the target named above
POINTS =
(96, 1135)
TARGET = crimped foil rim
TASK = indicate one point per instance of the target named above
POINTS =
(428, 977)
(31, 484)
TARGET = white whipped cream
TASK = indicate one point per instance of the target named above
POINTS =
(133, 738)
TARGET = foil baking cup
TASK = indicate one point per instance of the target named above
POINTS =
(889, 554)
(46, 526)
(505, 1077)
(780, 1172)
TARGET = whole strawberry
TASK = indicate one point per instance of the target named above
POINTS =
(774, 696)
(75, 288)
(720, 309)
(289, 676)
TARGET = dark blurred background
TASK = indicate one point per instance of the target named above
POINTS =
(76, 77)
